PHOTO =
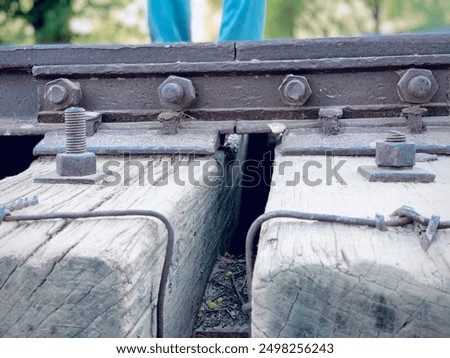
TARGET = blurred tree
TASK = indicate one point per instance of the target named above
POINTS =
(301, 18)
(375, 6)
(417, 15)
(52, 21)
(110, 21)
(282, 17)
(49, 19)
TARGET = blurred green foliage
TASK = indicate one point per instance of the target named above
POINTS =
(305, 18)
(282, 17)
(52, 21)
(105, 21)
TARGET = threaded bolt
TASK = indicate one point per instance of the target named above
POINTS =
(75, 119)
(396, 137)
(395, 152)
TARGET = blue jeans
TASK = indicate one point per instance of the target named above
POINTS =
(169, 20)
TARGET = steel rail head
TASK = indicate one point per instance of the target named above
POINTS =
(117, 213)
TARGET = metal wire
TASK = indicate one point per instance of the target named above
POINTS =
(118, 213)
(406, 215)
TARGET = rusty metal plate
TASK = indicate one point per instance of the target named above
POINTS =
(415, 175)
(222, 96)
(11, 127)
(358, 141)
(111, 142)
(54, 178)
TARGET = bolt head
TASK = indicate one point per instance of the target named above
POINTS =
(62, 93)
(76, 165)
(395, 155)
(57, 94)
(417, 86)
(176, 93)
(295, 90)
(172, 93)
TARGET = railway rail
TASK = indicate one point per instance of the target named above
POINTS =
(337, 95)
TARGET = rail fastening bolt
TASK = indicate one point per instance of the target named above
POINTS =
(295, 90)
(62, 93)
(57, 94)
(76, 161)
(417, 86)
(395, 152)
(396, 137)
(75, 119)
(420, 87)
(172, 93)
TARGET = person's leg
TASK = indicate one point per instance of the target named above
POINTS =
(243, 20)
(169, 20)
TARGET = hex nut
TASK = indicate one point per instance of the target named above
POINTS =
(417, 86)
(295, 90)
(176, 93)
(395, 155)
(62, 93)
(76, 165)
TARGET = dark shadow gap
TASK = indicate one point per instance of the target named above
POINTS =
(257, 175)
(16, 154)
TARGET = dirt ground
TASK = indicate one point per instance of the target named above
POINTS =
(220, 314)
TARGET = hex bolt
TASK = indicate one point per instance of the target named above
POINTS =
(295, 90)
(419, 86)
(395, 159)
(61, 93)
(176, 93)
(396, 137)
(57, 94)
(76, 161)
(395, 152)
(172, 92)
(75, 119)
